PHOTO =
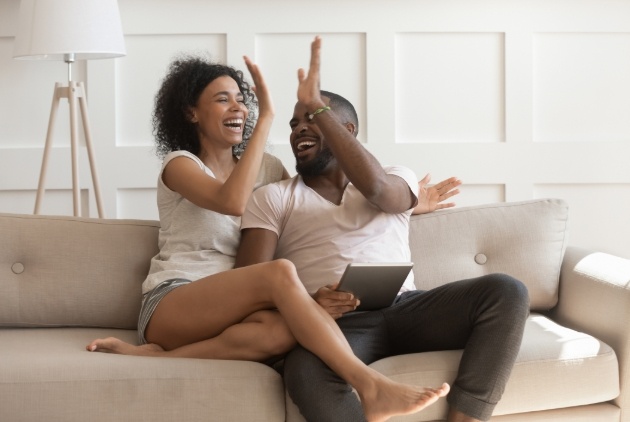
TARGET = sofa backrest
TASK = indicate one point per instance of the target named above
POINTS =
(68, 271)
(526, 240)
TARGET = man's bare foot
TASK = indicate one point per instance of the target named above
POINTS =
(114, 345)
(392, 399)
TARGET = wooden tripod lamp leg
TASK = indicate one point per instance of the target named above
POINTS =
(51, 127)
(74, 92)
(88, 144)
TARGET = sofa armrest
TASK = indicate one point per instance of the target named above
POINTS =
(594, 298)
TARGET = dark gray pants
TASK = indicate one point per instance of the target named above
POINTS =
(484, 316)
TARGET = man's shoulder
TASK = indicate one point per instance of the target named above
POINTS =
(278, 186)
(402, 171)
(276, 191)
(268, 205)
(396, 168)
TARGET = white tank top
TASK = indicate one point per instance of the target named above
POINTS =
(195, 242)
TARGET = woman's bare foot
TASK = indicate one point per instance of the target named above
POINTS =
(392, 398)
(114, 345)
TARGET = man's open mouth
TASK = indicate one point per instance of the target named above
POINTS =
(304, 145)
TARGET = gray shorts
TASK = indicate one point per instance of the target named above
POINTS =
(150, 301)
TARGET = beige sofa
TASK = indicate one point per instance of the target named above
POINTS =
(65, 281)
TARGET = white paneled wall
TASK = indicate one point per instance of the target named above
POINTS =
(521, 99)
(462, 81)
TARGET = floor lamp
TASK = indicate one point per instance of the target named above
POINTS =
(69, 30)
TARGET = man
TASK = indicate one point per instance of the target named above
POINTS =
(342, 207)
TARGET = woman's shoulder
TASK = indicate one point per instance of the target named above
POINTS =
(182, 153)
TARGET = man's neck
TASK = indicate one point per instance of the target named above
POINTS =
(330, 185)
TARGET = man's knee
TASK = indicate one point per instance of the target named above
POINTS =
(508, 291)
(515, 291)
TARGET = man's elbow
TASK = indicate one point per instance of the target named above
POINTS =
(393, 208)
(388, 203)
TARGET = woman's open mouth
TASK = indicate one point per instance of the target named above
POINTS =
(235, 125)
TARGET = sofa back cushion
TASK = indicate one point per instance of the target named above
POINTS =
(69, 271)
(526, 240)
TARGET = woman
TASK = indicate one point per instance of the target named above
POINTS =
(194, 304)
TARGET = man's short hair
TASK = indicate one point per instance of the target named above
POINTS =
(343, 108)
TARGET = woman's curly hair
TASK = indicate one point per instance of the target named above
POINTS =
(184, 82)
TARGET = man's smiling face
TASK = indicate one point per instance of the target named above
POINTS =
(312, 155)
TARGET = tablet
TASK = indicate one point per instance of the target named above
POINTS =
(374, 284)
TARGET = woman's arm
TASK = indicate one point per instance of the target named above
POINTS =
(229, 197)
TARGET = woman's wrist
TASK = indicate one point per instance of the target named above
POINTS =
(266, 113)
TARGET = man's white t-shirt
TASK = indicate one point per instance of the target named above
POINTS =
(321, 238)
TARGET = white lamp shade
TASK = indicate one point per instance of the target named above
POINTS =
(52, 29)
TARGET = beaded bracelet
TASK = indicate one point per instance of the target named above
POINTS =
(319, 110)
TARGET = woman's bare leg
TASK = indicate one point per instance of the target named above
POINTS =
(315, 330)
(204, 309)
(260, 337)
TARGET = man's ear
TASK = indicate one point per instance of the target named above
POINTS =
(351, 128)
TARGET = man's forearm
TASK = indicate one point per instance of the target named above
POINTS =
(359, 165)
(389, 193)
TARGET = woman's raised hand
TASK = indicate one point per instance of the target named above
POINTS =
(308, 87)
(265, 103)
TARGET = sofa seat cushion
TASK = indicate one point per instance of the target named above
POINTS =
(556, 368)
(601, 412)
(47, 371)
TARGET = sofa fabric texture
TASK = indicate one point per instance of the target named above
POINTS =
(65, 281)
(526, 240)
(65, 271)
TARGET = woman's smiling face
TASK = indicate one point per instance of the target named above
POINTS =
(220, 112)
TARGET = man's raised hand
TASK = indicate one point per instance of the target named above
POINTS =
(308, 83)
